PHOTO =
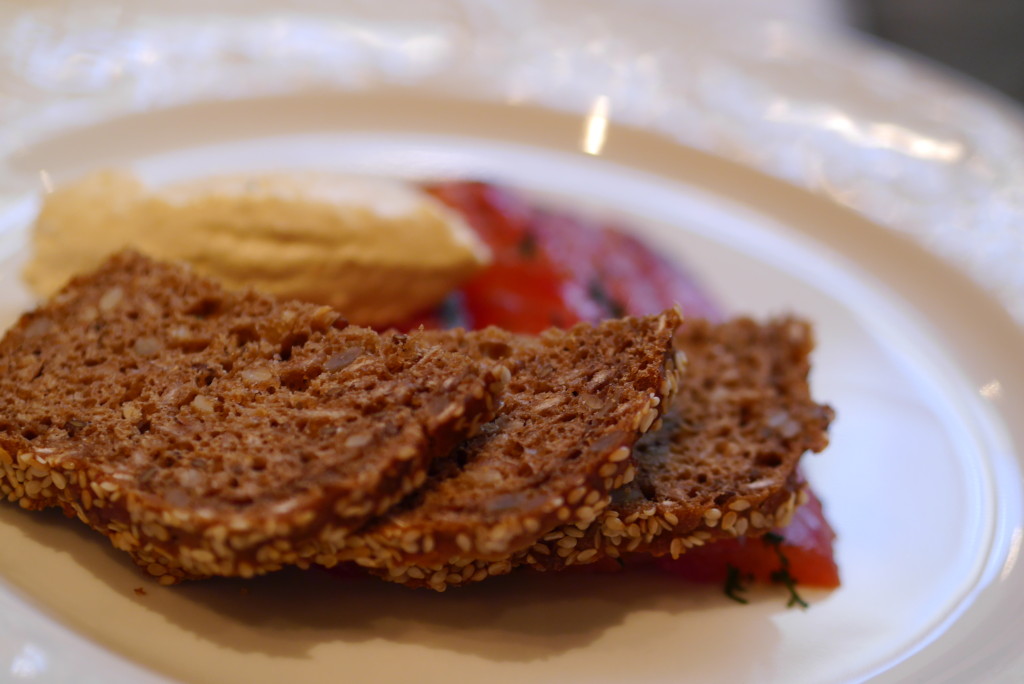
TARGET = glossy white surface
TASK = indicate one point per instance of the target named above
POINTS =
(923, 480)
(911, 148)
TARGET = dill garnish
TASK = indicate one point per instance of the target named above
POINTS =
(452, 312)
(782, 575)
(734, 584)
(527, 246)
(600, 295)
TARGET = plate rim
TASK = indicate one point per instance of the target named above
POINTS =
(867, 205)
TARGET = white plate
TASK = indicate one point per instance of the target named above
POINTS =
(922, 481)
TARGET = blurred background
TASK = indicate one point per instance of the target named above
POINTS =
(983, 39)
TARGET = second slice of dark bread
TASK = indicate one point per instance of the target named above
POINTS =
(209, 432)
(723, 463)
(562, 441)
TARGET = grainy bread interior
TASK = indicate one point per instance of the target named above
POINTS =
(209, 432)
(723, 463)
(577, 402)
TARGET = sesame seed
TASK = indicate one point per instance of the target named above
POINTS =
(359, 440)
(586, 555)
(203, 404)
(613, 524)
(648, 419)
(499, 568)
(620, 454)
(729, 520)
(739, 505)
(203, 556)
(575, 495)
(110, 299)
(712, 516)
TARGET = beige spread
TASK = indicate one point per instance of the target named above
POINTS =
(377, 250)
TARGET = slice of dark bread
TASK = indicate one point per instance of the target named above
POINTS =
(209, 432)
(723, 463)
(562, 441)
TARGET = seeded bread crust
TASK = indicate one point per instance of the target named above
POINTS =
(208, 432)
(562, 441)
(723, 464)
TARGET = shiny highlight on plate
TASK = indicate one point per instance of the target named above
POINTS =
(1012, 554)
(991, 390)
(595, 126)
(46, 181)
(868, 134)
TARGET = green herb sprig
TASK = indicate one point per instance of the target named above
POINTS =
(734, 584)
(782, 575)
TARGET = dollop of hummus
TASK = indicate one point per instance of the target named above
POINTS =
(377, 250)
